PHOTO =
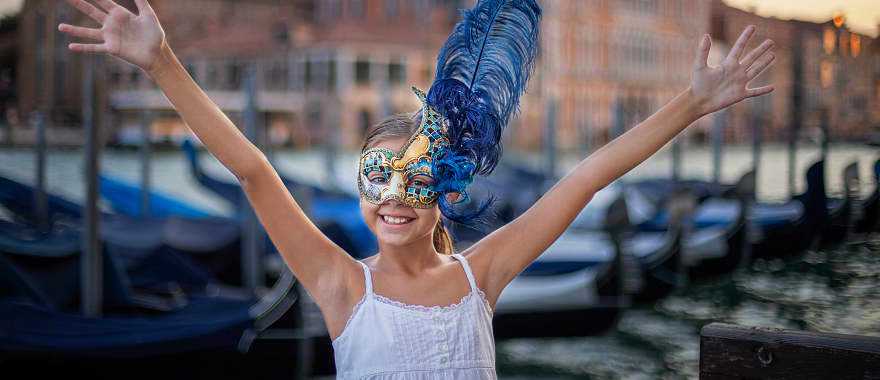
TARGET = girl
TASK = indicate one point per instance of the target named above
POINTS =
(415, 309)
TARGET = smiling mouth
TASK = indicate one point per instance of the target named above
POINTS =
(396, 220)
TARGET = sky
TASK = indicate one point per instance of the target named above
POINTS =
(8, 6)
(862, 15)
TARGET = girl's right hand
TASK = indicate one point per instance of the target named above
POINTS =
(136, 39)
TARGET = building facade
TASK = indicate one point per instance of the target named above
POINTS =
(607, 65)
(327, 69)
(823, 71)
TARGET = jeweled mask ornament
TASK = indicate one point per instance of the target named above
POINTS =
(407, 175)
(482, 69)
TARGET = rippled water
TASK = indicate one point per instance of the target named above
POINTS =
(832, 291)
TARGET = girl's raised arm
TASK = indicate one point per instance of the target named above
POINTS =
(509, 250)
(323, 268)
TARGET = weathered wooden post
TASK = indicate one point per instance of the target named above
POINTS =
(550, 144)
(730, 352)
(676, 158)
(146, 121)
(91, 261)
(756, 143)
(41, 206)
(252, 243)
(796, 113)
(718, 125)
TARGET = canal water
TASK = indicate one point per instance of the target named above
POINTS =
(831, 291)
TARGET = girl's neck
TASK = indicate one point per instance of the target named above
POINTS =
(411, 259)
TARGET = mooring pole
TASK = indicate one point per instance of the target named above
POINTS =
(717, 144)
(252, 270)
(146, 121)
(826, 135)
(796, 114)
(91, 260)
(41, 207)
(676, 159)
(756, 144)
(550, 143)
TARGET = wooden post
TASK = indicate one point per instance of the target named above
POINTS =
(736, 352)
(717, 144)
(252, 243)
(826, 133)
(550, 144)
(41, 206)
(91, 260)
(146, 120)
(756, 143)
(676, 159)
(797, 110)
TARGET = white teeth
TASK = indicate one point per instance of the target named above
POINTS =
(395, 220)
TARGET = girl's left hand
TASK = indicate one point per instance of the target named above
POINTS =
(714, 88)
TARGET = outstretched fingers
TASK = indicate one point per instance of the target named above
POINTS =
(702, 58)
(756, 53)
(89, 48)
(751, 92)
(107, 5)
(761, 65)
(741, 43)
(89, 9)
(78, 31)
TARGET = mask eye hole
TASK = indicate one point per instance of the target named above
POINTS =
(421, 181)
(377, 176)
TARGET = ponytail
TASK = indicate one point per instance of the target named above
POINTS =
(442, 240)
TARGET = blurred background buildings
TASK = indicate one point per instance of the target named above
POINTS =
(333, 67)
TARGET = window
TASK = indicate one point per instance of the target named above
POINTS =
(233, 76)
(115, 77)
(396, 72)
(392, 8)
(331, 74)
(427, 72)
(309, 72)
(365, 121)
(356, 8)
(362, 71)
(191, 69)
(134, 77)
(212, 75)
(329, 9)
(276, 77)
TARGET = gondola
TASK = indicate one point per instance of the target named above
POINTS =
(324, 205)
(210, 243)
(870, 206)
(775, 229)
(840, 216)
(125, 199)
(18, 198)
(577, 287)
(717, 241)
(657, 253)
(139, 334)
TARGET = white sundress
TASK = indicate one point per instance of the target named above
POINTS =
(388, 339)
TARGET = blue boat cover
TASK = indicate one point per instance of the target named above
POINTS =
(125, 199)
(204, 324)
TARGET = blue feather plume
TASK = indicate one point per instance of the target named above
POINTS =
(482, 70)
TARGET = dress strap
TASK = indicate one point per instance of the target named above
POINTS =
(467, 270)
(368, 280)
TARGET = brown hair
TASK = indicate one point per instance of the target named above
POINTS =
(403, 125)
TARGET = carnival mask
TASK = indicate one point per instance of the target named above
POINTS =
(406, 175)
